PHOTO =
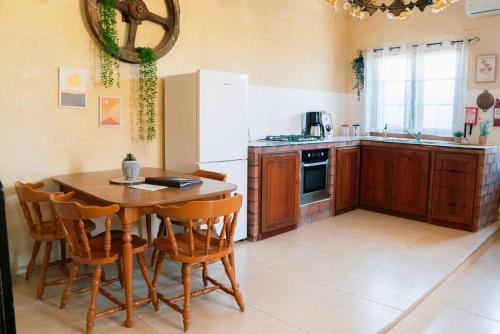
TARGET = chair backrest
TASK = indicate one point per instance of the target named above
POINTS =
(72, 214)
(221, 211)
(31, 197)
(209, 175)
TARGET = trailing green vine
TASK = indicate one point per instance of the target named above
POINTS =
(110, 66)
(358, 67)
(148, 79)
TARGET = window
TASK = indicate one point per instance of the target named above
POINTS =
(417, 88)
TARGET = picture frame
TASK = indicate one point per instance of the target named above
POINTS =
(486, 68)
(110, 112)
(73, 87)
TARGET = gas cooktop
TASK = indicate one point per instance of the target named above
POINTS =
(292, 138)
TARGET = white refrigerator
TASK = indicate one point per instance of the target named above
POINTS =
(206, 128)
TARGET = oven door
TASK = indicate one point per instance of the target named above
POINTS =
(314, 182)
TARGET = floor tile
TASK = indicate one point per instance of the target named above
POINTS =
(342, 313)
(264, 289)
(387, 287)
(281, 327)
(212, 313)
(454, 321)
(475, 298)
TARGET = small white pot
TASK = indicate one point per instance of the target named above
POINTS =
(131, 169)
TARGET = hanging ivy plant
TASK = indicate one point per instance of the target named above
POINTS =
(358, 67)
(148, 79)
(110, 66)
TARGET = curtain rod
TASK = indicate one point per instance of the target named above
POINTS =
(391, 48)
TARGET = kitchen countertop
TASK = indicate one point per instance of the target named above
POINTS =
(390, 140)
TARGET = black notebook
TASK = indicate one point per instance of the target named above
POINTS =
(174, 181)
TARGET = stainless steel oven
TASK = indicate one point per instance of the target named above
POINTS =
(314, 176)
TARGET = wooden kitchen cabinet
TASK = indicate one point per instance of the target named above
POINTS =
(453, 190)
(346, 179)
(376, 177)
(410, 181)
(279, 192)
(395, 180)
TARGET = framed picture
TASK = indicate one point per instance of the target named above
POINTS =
(72, 87)
(486, 68)
(109, 112)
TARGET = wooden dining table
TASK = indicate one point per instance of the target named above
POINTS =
(95, 188)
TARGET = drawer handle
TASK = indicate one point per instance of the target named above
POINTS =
(452, 205)
(454, 171)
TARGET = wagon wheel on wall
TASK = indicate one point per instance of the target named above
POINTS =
(134, 12)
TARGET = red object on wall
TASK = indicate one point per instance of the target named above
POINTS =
(471, 115)
(496, 114)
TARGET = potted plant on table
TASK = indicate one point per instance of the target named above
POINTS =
(130, 167)
(458, 136)
(484, 131)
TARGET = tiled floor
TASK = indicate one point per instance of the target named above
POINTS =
(471, 304)
(355, 273)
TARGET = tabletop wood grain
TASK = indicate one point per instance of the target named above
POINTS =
(96, 185)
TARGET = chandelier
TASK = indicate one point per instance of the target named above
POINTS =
(397, 10)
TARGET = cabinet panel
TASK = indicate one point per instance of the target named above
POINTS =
(455, 163)
(279, 191)
(376, 177)
(452, 205)
(462, 181)
(410, 180)
(346, 178)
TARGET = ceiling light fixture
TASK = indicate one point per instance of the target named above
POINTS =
(397, 10)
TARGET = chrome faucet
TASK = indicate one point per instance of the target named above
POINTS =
(417, 136)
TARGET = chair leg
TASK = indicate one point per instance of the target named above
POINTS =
(63, 256)
(204, 274)
(234, 285)
(149, 219)
(69, 284)
(31, 265)
(154, 256)
(145, 274)
(43, 272)
(231, 261)
(93, 298)
(159, 264)
(186, 281)
(119, 271)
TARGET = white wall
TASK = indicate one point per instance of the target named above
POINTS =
(277, 110)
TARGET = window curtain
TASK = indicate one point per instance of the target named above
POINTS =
(416, 87)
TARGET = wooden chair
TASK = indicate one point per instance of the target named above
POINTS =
(32, 198)
(161, 231)
(199, 246)
(98, 251)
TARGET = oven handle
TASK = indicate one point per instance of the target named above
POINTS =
(315, 164)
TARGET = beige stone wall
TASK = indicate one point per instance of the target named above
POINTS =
(288, 43)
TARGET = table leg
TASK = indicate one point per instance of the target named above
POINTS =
(127, 264)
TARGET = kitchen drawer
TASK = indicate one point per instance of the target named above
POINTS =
(447, 179)
(452, 205)
(455, 163)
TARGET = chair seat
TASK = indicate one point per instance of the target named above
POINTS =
(138, 244)
(184, 253)
(50, 231)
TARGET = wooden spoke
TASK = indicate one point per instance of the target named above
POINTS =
(131, 36)
(164, 22)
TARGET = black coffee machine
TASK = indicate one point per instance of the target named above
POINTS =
(313, 124)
